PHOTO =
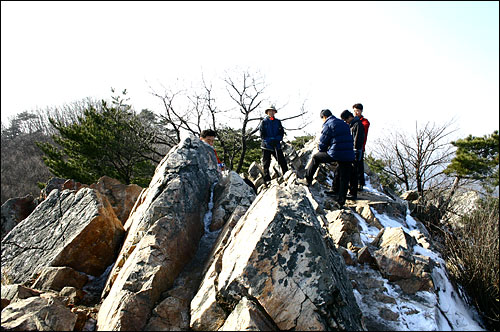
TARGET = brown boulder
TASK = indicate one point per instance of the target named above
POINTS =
(74, 229)
(398, 265)
(365, 256)
(38, 314)
(277, 254)
(343, 227)
(18, 291)
(122, 197)
(56, 278)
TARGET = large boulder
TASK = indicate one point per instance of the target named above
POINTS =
(343, 227)
(11, 293)
(276, 256)
(38, 314)
(122, 197)
(164, 229)
(398, 263)
(74, 229)
(56, 278)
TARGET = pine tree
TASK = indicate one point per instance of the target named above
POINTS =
(476, 159)
(111, 141)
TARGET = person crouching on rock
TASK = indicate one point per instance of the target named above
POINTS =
(335, 144)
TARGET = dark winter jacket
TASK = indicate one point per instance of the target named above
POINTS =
(271, 133)
(336, 139)
(358, 133)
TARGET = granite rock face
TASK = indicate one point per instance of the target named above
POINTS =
(230, 193)
(164, 229)
(286, 259)
(74, 229)
(276, 256)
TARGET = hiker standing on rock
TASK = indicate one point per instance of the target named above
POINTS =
(271, 133)
(358, 134)
(208, 136)
(335, 144)
(358, 110)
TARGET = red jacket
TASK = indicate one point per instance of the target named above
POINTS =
(216, 156)
(366, 124)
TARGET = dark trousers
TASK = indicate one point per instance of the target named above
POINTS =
(266, 161)
(342, 178)
(353, 179)
(361, 170)
(342, 174)
(318, 158)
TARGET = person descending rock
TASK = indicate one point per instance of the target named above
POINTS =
(271, 133)
(358, 109)
(358, 134)
(208, 136)
(335, 144)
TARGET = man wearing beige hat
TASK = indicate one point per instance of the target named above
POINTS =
(271, 133)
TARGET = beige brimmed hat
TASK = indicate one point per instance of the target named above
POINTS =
(271, 108)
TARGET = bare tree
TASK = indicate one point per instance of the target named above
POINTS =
(418, 160)
(248, 94)
(171, 118)
(199, 109)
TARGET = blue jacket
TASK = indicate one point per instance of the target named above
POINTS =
(271, 133)
(336, 139)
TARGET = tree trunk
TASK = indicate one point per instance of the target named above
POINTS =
(444, 206)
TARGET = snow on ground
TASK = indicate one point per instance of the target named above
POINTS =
(416, 312)
(460, 315)
(442, 310)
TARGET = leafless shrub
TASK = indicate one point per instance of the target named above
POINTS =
(472, 258)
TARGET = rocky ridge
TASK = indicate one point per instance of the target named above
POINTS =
(199, 251)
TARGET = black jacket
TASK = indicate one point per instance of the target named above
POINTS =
(358, 133)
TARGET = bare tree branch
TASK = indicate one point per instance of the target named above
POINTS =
(418, 159)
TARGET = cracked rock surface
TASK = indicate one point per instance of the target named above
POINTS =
(278, 258)
(74, 229)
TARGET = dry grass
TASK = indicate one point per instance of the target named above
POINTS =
(472, 258)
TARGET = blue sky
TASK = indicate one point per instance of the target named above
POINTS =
(406, 62)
